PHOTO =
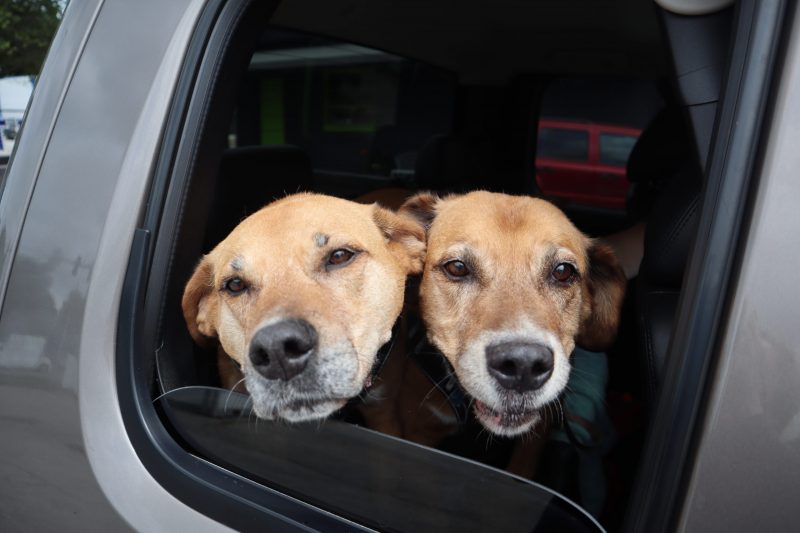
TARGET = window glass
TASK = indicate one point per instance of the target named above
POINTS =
(568, 145)
(382, 482)
(352, 109)
(615, 148)
(594, 122)
(27, 29)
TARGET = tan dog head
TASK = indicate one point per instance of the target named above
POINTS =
(302, 294)
(509, 287)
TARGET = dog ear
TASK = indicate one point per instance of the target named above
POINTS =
(602, 302)
(421, 208)
(199, 309)
(406, 239)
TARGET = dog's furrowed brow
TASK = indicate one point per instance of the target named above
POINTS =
(461, 250)
(554, 252)
(236, 264)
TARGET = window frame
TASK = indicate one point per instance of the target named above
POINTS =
(758, 35)
(231, 499)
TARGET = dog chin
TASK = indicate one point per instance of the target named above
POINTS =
(505, 423)
(300, 410)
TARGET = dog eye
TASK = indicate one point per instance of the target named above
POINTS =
(340, 257)
(235, 286)
(456, 269)
(563, 272)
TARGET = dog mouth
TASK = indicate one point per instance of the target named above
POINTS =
(302, 410)
(508, 422)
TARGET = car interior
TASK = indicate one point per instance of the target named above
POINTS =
(349, 98)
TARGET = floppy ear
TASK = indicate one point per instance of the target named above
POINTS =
(406, 239)
(603, 294)
(199, 309)
(421, 208)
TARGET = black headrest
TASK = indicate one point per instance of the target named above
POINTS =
(448, 163)
(662, 148)
(251, 177)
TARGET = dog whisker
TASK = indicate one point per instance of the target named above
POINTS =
(561, 410)
(245, 408)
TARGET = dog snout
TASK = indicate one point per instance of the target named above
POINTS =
(283, 350)
(520, 366)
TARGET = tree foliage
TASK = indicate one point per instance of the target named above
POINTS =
(26, 29)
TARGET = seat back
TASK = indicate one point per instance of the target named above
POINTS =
(461, 163)
(669, 180)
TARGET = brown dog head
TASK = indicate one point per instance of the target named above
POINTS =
(509, 287)
(301, 295)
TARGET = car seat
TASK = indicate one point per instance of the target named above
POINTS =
(461, 163)
(668, 179)
(659, 153)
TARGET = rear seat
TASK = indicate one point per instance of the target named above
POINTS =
(460, 163)
(664, 167)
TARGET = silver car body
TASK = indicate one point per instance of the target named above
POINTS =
(91, 137)
(73, 195)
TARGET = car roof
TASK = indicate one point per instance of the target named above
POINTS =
(490, 42)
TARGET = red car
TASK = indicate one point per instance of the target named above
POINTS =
(584, 163)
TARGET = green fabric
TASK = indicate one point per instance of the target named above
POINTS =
(584, 398)
(585, 394)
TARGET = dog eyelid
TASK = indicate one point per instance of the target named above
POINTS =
(456, 269)
(234, 286)
(340, 257)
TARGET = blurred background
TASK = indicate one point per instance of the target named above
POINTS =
(26, 29)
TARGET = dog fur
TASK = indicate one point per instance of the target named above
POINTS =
(277, 265)
(511, 247)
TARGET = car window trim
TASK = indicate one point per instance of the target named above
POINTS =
(671, 441)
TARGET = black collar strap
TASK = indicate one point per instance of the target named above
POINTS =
(437, 369)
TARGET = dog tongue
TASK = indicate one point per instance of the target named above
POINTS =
(368, 383)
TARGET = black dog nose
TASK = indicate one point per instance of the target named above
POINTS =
(520, 366)
(282, 350)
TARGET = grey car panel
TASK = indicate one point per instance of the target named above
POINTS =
(40, 119)
(84, 160)
(99, 153)
(748, 466)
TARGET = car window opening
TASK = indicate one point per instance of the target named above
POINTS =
(317, 114)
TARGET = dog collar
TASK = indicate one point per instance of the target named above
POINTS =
(438, 370)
